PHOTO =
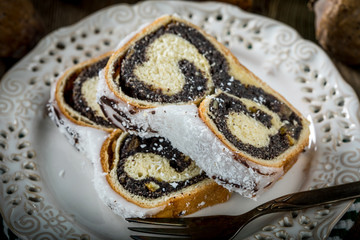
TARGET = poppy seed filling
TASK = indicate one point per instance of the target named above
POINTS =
(221, 106)
(73, 92)
(195, 82)
(132, 145)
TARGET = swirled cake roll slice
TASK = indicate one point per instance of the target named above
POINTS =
(268, 135)
(151, 173)
(75, 94)
(73, 105)
(155, 83)
(163, 64)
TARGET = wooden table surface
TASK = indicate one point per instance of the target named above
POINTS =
(58, 13)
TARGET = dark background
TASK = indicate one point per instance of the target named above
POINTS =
(54, 14)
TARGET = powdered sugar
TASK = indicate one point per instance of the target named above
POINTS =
(183, 127)
(88, 141)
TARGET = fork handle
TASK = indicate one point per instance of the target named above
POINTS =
(311, 198)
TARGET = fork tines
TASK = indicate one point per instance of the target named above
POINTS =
(180, 229)
(173, 222)
(162, 231)
(155, 238)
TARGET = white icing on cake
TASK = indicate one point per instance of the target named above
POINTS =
(182, 126)
(88, 141)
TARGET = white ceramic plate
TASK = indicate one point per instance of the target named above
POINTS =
(47, 189)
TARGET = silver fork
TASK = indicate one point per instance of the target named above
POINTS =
(227, 227)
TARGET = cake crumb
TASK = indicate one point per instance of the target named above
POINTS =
(62, 173)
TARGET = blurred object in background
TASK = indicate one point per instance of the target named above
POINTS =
(337, 27)
(20, 28)
(244, 4)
